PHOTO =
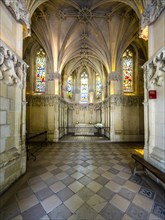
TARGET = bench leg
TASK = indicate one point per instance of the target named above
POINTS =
(28, 152)
(137, 171)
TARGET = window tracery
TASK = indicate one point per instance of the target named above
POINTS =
(70, 86)
(40, 71)
(98, 86)
(84, 87)
(128, 71)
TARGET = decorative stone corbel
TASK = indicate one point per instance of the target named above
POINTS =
(19, 10)
(152, 10)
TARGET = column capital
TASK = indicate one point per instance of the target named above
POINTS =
(53, 76)
(114, 76)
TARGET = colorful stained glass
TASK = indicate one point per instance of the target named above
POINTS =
(84, 87)
(98, 86)
(128, 71)
(70, 86)
(40, 71)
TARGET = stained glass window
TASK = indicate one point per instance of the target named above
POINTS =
(84, 87)
(70, 86)
(128, 71)
(40, 71)
(98, 86)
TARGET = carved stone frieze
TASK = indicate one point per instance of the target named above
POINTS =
(154, 70)
(19, 10)
(12, 68)
(77, 106)
(151, 12)
(127, 100)
(44, 100)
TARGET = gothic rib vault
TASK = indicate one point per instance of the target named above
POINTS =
(78, 34)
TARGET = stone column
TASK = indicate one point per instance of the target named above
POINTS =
(154, 79)
(65, 118)
(56, 122)
(91, 96)
(112, 119)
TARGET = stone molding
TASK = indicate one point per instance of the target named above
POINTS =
(154, 70)
(127, 100)
(51, 100)
(87, 106)
(12, 68)
(19, 11)
(44, 100)
(151, 12)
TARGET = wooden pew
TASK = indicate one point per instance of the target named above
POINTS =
(146, 165)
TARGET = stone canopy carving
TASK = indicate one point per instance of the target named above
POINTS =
(152, 10)
(154, 70)
(12, 68)
(20, 12)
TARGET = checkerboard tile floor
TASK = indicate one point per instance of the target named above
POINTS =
(85, 181)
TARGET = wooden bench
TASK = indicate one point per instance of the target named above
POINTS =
(146, 165)
(29, 140)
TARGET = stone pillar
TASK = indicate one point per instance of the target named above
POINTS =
(115, 79)
(91, 96)
(56, 122)
(65, 118)
(154, 79)
(112, 119)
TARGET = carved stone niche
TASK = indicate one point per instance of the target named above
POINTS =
(12, 68)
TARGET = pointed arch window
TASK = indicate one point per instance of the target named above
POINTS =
(128, 66)
(84, 87)
(70, 86)
(40, 71)
(98, 86)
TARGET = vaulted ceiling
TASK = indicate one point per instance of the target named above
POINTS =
(76, 33)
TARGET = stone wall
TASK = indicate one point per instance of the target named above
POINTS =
(154, 75)
(51, 112)
(154, 79)
(12, 92)
(123, 115)
(12, 116)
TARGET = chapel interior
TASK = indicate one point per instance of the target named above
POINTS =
(82, 88)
